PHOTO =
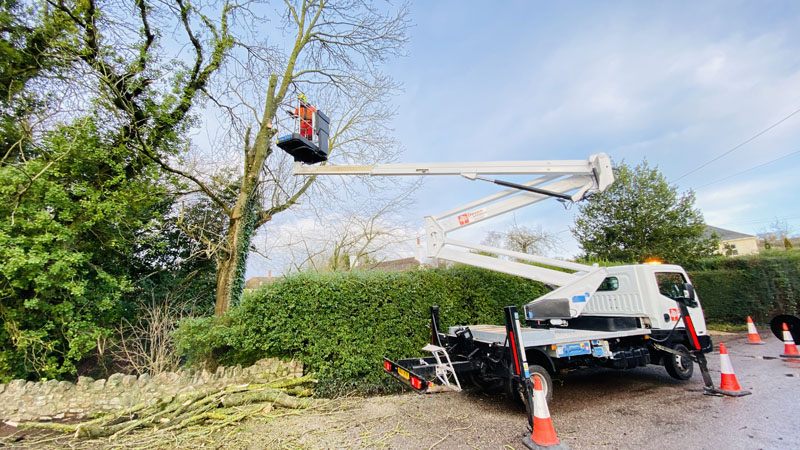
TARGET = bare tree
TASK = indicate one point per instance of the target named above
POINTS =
(146, 344)
(778, 232)
(348, 239)
(524, 239)
(249, 60)
(334, 48)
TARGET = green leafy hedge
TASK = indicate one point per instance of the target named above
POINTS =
(342, 325)
(759, 286)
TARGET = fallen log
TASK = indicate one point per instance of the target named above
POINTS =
(278, 397)
(216, 408)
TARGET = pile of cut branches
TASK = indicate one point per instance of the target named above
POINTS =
(211, 409)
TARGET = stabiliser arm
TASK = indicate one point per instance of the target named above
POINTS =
(696, 350)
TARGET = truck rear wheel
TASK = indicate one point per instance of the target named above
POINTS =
(679, 367)
(516, 393)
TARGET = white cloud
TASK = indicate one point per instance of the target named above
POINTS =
(735, 206)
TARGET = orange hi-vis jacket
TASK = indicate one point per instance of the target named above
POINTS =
(306, 115)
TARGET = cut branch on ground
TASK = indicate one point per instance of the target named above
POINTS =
(210, 408)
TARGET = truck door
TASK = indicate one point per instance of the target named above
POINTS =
(670, 285)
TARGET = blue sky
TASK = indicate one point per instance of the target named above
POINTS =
(677, 83)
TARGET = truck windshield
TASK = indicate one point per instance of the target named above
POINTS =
(670, 284)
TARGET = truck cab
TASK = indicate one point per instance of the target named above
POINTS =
(647, 294)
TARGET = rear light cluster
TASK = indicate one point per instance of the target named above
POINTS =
(404, 374)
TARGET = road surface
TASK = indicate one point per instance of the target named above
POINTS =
(598, 409)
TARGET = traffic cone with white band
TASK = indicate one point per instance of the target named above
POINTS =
(789, 349)
(728, 382)
(752, 333)
(544, 435)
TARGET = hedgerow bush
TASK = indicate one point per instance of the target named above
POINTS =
(341, 325)
(759, 286)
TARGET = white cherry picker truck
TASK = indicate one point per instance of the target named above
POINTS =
(618, 317)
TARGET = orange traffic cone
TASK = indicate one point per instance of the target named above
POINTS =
(544, 435)
(752, 333)
(790, 350)
(728, 382)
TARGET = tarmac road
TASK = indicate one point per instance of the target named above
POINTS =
(599, 409)
(644, 408)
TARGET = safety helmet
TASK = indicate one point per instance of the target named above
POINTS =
(303, 98)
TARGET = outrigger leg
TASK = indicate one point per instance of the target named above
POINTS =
(521, 375)
(699, 357)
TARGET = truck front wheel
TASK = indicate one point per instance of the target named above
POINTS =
(679, 367)
(514, 389)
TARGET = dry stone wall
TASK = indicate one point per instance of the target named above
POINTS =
(22, 400)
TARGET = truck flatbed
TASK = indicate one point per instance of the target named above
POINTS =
(533, 337)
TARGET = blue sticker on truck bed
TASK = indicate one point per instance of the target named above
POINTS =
(578, 348)
(579, 299)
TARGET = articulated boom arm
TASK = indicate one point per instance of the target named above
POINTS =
(570, 180)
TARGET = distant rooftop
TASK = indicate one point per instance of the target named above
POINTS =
(725, 235)
(397, 265)
(256, 282)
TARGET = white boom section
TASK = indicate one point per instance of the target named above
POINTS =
(572, 179)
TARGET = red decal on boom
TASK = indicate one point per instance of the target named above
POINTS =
(514, 350)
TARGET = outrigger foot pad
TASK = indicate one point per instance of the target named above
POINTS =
(734, 393)
(534, 446)
(712, 392)
(721, 392)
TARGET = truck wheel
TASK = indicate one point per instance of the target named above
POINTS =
(679, 367)
(515, 392)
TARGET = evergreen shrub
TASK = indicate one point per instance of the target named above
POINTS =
(341, 325)
(731, 289)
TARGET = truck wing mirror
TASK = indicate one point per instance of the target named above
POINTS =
(689, 297)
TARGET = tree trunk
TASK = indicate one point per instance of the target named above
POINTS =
(232, 263)
(226, 270)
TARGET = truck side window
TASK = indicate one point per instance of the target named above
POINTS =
(609, 284)
(670, 284)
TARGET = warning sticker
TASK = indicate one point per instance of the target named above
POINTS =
(674, 314)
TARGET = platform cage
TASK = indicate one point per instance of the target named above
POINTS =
(310, 129)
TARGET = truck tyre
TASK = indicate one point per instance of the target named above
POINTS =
(679, 367)
(515, 392)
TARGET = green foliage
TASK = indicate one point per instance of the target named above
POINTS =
(85, 227)
(727, 327)
(787, 244)
(759, 286)
(641, 217)
(68, 220)
(165, 265)
(341, 325)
